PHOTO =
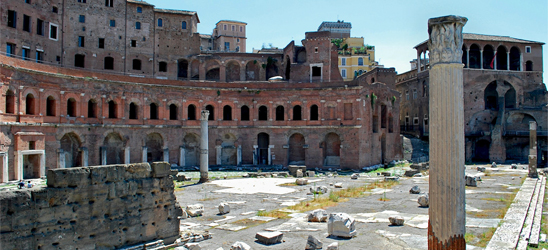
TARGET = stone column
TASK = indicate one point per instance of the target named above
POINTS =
(166, 154)
(467, 58)
(85, 156)
(103, 155)
(418, 61)
(270, 154)
(239, 155)
(5, 168)
(61, 158)
(508, 60)
(127, 155)
(255, 155)
(204, 145)
(144, 153)
(495, 59)
(520, 61)
(481, 59)
(218, 152)
(182, 156)
(446, 226)
(533, 150)
(43, 164)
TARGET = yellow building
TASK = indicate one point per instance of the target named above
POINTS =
(355, 58)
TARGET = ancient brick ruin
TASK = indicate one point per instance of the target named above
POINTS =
(101, 207)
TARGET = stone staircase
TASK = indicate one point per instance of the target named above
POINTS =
(525, 213)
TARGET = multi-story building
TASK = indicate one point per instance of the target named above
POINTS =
(503, 92)
(338, 29)
(56, 116)
(355, 57)
(229, 36)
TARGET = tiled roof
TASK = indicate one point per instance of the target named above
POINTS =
(232, 21)
(184, 12)
(338, 24)
(481, 37)
(139, 2)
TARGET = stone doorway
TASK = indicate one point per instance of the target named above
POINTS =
(332, 150)
(31, 166)
(228, 151)
(192, 147)
(481, 151)
(70, 144)
(154, 144)
(263, 156)
(114, 147)
(297, 153)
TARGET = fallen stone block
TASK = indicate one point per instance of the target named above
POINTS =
(269, 238)
(514, 166)
(195, 210)
(410, 173)
(318, 215)
(341, 225)
(493, 165)
(386, 174)
(481, 169)
(299, 173)
(312, 243)
(238, 245)
(160, 169)
(193, 246)
(423, 200)
(310, 173)
(471, 181)
(319, 190)
(338, 185)
(391, 178)
(418, 175)
(224, 208)
(301, 181)
(415, 190)
(333, 246)
(182, 177)
(354, 176)
(396, 220)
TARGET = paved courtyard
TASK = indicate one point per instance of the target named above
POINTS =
(485, 207)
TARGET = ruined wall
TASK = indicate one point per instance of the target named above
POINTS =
(101, 207)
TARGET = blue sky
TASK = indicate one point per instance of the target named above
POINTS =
(394, 27)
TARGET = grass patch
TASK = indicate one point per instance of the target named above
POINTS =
(274, 213)
(288, 184)
(486, 237)
(247, 223)
(469, 237)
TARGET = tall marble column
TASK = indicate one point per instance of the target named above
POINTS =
(533, 150)
(204, 145)
(447, 217)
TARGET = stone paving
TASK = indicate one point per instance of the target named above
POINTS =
(246, 196)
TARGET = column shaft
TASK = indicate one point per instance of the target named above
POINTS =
(204, 145)
(446, 227)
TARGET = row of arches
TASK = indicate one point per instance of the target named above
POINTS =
(488, 57)
(232, 70)
(154, 112)
(114, 148)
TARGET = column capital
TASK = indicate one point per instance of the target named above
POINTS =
(204, 115)
(445, 43)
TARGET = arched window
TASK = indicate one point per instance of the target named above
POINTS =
(173, 112)
(50, 106)
(360, 61)
(211, 114)
(244, 113)
(160, 22)
(263, 113)
(153, 111)
(92, 108)
(488, 57)
(502, 58)
(109, 62)
(138, 25)
(29, 104)
(529, 66)
(191, 111)
(279, 113)
(314, 112)
(136, 64)
(139, 10)
(475, 57)
(297, 113)
(162, 67)
(133, 111)
(183, 25)
(227, 113)
(10, 102)
(112, 109)
(71, 107)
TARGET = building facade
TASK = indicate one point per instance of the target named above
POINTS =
(55, 116)
(503, 92)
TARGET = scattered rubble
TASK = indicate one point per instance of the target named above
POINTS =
(195, 210)
(338, 185)
(238, 245)
(301, 181)
(415, 190)
(481, 169)
(354, 176)
(423, 200)
(269, 238)
(318, 215)
(341, 225)
(224, 208)
(471, 181)
(313, 243)
(333, 246)
(396, 220)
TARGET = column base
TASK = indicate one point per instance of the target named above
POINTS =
(456, 242)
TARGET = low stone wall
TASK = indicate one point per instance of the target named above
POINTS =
(101, 207)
